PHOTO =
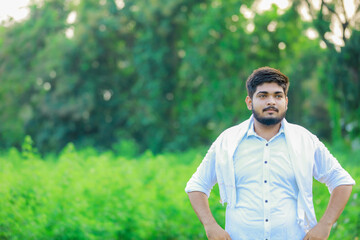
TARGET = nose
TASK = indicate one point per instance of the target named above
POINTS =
(271, 101)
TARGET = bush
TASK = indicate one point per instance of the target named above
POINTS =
(89, 195)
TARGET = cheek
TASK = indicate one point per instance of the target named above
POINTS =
(258, 104)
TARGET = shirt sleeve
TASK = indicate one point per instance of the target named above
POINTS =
(204, 178)
(328, 170)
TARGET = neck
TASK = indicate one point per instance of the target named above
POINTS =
(266, 131)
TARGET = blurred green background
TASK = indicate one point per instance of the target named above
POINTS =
(107, 106)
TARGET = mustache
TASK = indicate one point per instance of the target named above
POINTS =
(271, 108)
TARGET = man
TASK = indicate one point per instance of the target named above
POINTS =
(264, 168)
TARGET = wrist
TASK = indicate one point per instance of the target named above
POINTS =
(326, 223)
(210, 224)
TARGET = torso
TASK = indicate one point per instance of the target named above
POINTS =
(266, 191)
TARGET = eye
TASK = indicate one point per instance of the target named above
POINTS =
(262, 96)
(278, 96)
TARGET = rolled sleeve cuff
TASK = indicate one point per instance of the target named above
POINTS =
(195, 186)
(338, 177)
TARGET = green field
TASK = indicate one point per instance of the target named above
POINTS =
(83, 194)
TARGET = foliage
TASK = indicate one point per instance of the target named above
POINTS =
(343, 88)
(168, 74)
(83, 194)
(340, 76)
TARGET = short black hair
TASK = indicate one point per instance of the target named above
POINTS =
(266, 75)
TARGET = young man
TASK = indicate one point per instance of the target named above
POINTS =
(264, 168)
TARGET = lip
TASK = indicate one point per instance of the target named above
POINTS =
(271, 110)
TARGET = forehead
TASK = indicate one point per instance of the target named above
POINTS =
(269, 87)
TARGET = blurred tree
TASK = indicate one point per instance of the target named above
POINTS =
(225, 43)
(338, 23)
(20, 45)
(167, 74)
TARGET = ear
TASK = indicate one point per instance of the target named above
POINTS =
(249, 102)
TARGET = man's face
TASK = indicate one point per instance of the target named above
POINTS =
(268, 104)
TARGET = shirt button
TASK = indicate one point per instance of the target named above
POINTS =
(266, 201)
(267, 144)
(266, 220)
(265, 181)
(265, 162)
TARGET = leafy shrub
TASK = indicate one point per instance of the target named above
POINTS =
(90, 195)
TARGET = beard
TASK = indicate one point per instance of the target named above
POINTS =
(268, 121)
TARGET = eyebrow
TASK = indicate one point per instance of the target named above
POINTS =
(265, 92)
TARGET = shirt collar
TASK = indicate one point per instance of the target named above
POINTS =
(251, 131)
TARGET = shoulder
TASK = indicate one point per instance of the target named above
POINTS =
(300, 132)
(236, 131)
(297, 128)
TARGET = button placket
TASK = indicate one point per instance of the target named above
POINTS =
(266, 191)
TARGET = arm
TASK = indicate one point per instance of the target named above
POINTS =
(337, 202)
(200, 204)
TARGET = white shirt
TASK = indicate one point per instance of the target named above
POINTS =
(309, 159)
(266, 190)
